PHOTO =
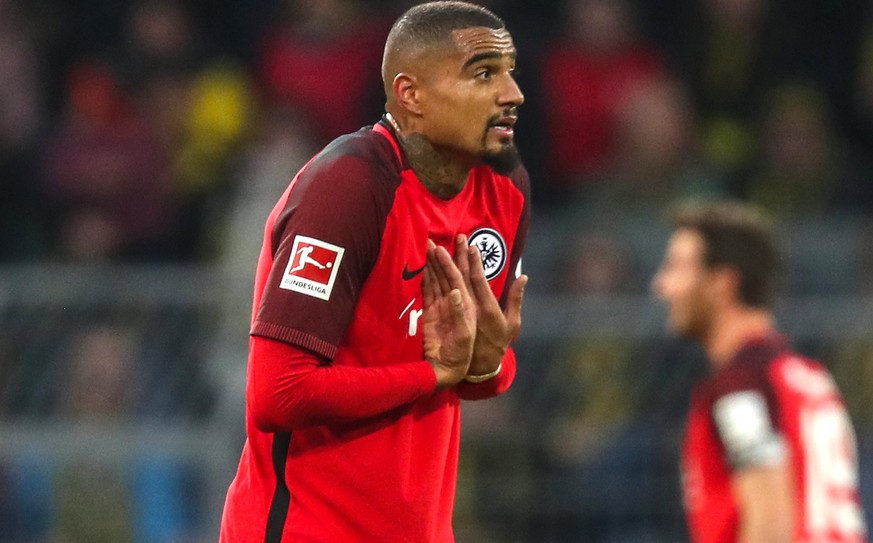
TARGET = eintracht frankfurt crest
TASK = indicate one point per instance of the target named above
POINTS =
(493, 250)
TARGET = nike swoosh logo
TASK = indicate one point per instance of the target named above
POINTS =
(409, 274)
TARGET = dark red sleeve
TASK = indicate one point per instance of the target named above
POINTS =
(521, 181)
(342, 198)
(748, 371)
(289, 388)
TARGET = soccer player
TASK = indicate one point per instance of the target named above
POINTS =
(357, 365)
(769, 453)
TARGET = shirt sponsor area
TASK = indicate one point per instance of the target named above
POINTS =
(312, 267)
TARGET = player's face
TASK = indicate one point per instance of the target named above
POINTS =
(683, 282)
(470, 98)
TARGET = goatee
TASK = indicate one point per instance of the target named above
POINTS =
(504, 161)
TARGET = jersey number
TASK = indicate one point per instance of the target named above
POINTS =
(831, 472)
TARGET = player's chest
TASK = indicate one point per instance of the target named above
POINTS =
(395, 284)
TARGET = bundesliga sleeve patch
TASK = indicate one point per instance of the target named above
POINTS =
(312, 268)
(744, 425)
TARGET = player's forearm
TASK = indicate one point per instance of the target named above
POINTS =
(765, 500)
(492, 387)
(765, 531)
(289, 388)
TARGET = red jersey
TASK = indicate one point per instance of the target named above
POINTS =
(340, 276)
(771, 405)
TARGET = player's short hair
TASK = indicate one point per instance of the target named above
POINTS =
(428, 26)
(432, 22)
(739, 236)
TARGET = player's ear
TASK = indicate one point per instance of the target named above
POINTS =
(407, 92)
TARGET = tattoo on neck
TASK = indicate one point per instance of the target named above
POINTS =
(437, 174)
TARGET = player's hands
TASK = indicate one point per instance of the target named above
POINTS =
(449, 319)
(496, 329)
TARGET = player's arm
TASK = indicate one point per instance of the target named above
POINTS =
(765, 498)
(761, 479)
(291, 388)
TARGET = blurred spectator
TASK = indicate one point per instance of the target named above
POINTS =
(591, 381)
(323, 58)
(204, 120)
(657, 153)
(728, 54)
(200, 106)
(100, 389)
(597, 59)
(101, 385)
(594, 407)
(22, 107)
(132, 500)
(23, 114)
(106, 175)
(806, 167)
(860, 89)
(160, 36)
(596, 263)
(139, 165)
(602, 429)
(175, 373)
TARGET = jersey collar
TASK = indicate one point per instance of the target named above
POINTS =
(384, 127)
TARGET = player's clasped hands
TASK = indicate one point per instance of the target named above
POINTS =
(496, 329)
(465, 329)
(449, 319)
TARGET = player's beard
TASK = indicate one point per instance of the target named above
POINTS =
(696, 322)
(503, 161)
(506, 159)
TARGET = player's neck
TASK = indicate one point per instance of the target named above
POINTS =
(440, 175)
(731, 329)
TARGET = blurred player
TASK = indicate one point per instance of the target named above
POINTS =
(375, 312)
(769, 454)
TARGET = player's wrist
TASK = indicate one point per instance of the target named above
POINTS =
(447, 376)
(486, 358)
(481, 378)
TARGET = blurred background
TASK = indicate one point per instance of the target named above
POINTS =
(143, 142)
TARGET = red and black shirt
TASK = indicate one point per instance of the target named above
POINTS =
(770, 405)
(368, 449)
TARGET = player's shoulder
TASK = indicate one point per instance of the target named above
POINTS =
(750, 367)
(518, 176)
(364, 157)
(804, 375)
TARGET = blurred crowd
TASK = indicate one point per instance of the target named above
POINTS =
(132, 130)
(163, 131)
